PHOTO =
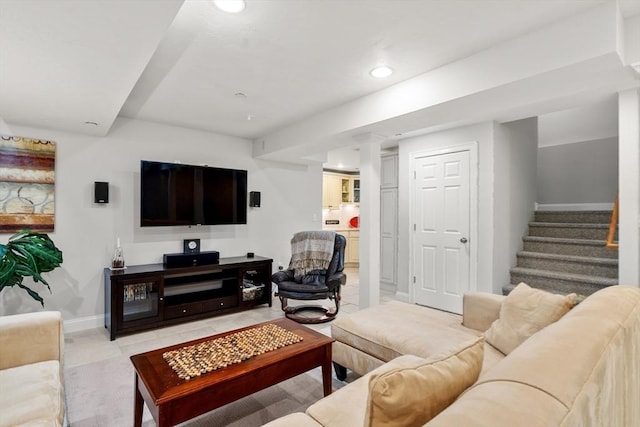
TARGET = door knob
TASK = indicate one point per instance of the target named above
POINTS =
(463, 240)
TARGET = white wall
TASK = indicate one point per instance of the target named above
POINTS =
(86, 232)
(580, 173)
(632, 39)
(588, 122)
(482, 133)
(515, 149)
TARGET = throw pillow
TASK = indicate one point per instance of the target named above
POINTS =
(524, 312)
(412, 395)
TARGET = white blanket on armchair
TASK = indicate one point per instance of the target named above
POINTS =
(311, 250)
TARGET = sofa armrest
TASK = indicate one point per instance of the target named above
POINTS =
(297, 419)
(480, 310)
(30, 338)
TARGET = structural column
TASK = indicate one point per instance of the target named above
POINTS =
(629, 187)
(369, 220)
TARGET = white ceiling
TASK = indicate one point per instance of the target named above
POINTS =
(64, 63)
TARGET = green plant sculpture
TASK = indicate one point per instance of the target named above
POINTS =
(28, 254)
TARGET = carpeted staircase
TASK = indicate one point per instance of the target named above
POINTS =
(566, 252)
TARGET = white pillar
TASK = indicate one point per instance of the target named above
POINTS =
(629, 187)
(369, 220)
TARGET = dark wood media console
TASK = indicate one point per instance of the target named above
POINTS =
(143, 297)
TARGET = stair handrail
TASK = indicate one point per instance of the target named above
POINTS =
(613, 224)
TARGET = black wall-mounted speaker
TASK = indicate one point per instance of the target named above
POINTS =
(101, 192)
(254, 199)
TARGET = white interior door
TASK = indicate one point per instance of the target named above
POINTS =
(442, 212)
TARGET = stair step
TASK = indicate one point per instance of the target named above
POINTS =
(564, 246)
(572, 231)
(557, 282)
(571, 264)
(591, 217)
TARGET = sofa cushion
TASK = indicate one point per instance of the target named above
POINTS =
(524, 312)
(414, 394)
(345, 407)
(431, 332)
(32, 395)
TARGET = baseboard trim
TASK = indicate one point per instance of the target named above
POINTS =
(389, 287)
(403, 296)
(84, 323)
(574, 206)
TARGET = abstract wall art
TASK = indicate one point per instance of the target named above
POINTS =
(27, 184)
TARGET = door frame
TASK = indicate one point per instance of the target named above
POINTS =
(472, 148)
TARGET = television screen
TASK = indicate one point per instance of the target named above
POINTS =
(177, 194)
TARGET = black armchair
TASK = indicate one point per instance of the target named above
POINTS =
(312, 282)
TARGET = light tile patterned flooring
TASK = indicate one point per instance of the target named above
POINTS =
(94, 345)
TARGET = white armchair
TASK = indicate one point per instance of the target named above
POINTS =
(31, 364)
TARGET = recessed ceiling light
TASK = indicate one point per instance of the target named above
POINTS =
(381, 71)
(230, 6)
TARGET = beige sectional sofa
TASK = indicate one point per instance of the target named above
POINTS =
(581, 370)
(31, 355)
(369, 338)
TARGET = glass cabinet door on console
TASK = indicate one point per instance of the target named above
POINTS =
(255, 286)
(140, 300)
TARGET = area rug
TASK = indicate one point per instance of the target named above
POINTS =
(100, 394)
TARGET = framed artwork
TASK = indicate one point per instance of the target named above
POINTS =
(27, 184)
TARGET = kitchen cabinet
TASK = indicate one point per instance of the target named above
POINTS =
(352, 251)
(339, 188)
(331, 190)
(355, 189)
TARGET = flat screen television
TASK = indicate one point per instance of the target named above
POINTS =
(178, 194)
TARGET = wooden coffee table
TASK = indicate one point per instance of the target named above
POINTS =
(172, 400)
